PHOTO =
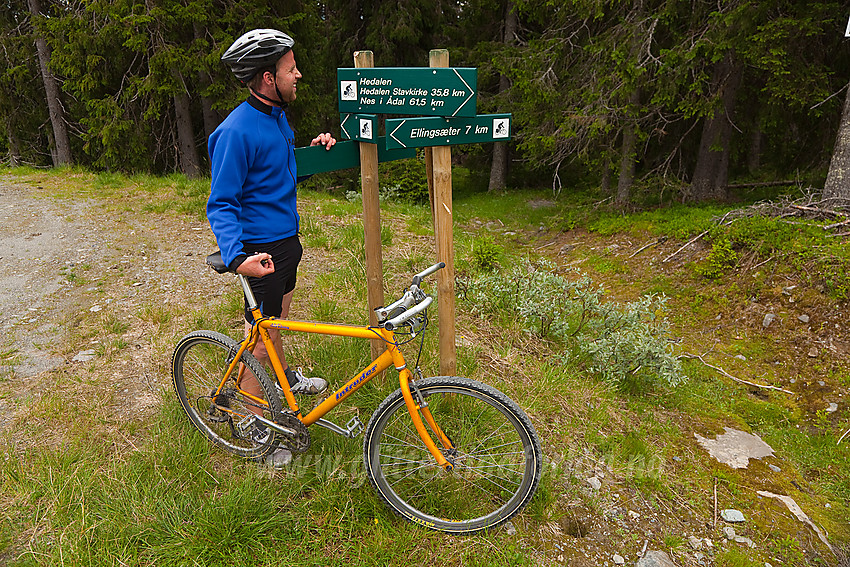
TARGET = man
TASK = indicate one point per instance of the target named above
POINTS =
(252, 205)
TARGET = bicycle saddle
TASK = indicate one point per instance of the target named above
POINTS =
(215, 262)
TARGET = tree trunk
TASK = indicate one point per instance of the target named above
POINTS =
(605, 182)
(627, 159)
(712, 169)
(190, 164)
(62, 144)
(499, 166)
(211, 118)
(627, 167)
(754, 152)
(14, 147)
(838, 179)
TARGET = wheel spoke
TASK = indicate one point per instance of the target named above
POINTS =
(486, 485)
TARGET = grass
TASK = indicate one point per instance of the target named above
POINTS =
(95, 484)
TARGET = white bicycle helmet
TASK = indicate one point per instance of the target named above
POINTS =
(256, 50)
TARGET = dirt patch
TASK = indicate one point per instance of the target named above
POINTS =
(70, 264)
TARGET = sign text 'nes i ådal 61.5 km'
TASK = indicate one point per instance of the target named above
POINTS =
(438, 131)
(445, 91)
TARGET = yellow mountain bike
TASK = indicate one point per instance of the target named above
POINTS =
(448, 453)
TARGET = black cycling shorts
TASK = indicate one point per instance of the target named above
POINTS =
(269, 290)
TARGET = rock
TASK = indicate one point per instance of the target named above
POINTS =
(745, 540)
(695, 542)
(803, 318)
(618, 559)
(509, 528)
(774, 468)
(735, 448)
(795, 509)
(655, 559)
(768, 319)
(821, 383)
(813, 352)
(594, 483)
(84, 356)
(729, 532)
(732, 516)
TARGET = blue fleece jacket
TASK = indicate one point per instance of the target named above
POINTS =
(252, 195)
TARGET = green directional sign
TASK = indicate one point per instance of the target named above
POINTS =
(436, 131)
(359, 127)
(444, 91)
(317, 159)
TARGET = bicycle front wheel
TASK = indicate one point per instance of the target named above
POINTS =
(496, 456)
(198, 368)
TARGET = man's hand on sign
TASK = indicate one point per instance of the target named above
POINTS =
(324, 139)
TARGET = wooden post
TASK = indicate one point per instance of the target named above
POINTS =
(371, 219)
(441, 172)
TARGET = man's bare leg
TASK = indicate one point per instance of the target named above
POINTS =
(249, 381)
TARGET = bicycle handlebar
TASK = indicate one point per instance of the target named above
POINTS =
(417, 279)
(409, 314)
(400, 311)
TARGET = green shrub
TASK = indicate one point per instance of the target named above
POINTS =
(721, 260)
(485, 253)
(404, 180)
(623, 343)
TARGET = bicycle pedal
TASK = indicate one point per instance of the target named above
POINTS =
(354, 427)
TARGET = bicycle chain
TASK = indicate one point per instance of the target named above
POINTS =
(301, 441)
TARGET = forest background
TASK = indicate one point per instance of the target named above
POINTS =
(647, 99)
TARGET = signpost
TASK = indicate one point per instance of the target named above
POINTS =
(344, 155)
(436, 131)
(444, 98)
(408, 90)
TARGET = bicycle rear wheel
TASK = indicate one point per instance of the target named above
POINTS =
(496, 455)
(197, 368)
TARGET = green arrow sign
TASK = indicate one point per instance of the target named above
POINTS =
(436, 131)
(444, 91)
(317, 159)
(359, 127)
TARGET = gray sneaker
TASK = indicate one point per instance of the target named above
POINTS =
(305, 385)
(277, 459)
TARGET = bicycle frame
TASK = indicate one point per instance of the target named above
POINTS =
(392, 356)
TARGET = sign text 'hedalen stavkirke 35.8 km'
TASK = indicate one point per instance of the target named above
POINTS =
(426, 91)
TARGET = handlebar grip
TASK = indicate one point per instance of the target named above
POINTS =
(410, 313)
(417, 279)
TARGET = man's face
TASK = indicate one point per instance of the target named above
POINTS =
(286, 76)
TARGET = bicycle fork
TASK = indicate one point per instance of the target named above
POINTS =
(417, 406)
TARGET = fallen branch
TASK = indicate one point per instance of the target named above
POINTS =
(836, 225)
(649, 245)
(688, 243)
(767, 387)
(816, 210)
(762, 184)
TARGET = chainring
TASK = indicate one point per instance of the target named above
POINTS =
(298, 443)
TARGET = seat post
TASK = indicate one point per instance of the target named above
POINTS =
(246, 289)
